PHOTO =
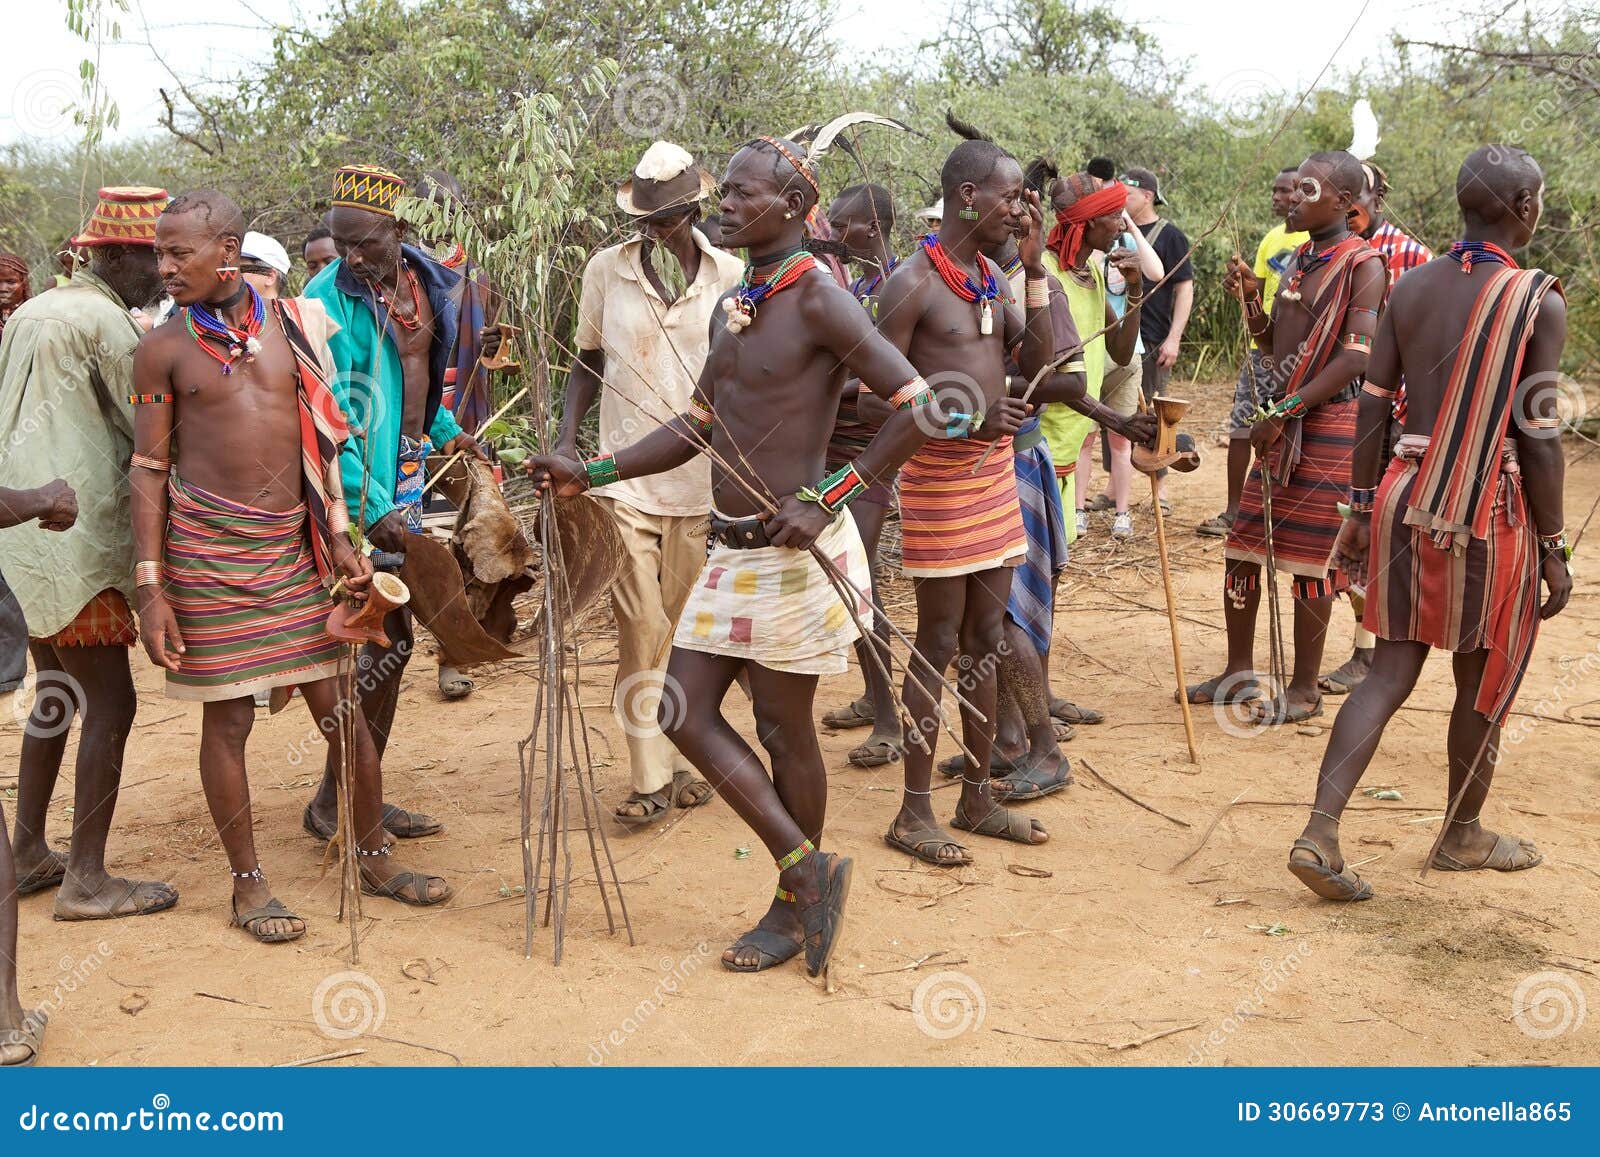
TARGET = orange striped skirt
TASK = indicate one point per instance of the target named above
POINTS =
(105, 621)
(955, 522)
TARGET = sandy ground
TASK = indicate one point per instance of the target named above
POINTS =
(1094, 948)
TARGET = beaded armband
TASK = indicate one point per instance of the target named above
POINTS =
(834, 491)
(150, 399)
(698, 417)
(1378, 391)
(1541, 423)
(1363, 499)
(602, 471)
(145, 461)
(911, 395)
(1358, 341)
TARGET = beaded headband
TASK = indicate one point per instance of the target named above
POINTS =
(787, 154)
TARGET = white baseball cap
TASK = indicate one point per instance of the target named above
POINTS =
(267, 250)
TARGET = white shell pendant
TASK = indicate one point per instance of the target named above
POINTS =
(739, 314)
(986, 318)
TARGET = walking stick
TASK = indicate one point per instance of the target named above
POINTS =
(1168, 412)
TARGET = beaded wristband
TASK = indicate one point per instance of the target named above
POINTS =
(960, 425)
(602, 471)
(1556, 544)
(1291, 407)
(1363, 499)
(834, 491)
(1253, 309)
(147, 574)
(1036, 293)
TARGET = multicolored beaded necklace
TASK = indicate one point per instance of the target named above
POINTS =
(1310, 261)
(961, 285)
(1467, 252)
(1013, 267)
(861, 288)
(238, 343)
(415, 321)
(754, 289)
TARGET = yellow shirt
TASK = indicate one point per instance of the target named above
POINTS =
(1065, 429)
(1272, 257)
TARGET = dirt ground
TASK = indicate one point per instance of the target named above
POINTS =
(1092, 949)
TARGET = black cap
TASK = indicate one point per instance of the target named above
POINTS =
(1143, 179)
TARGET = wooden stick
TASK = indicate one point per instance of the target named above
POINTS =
(1089, 767)
(1172, 618)
(460, 454)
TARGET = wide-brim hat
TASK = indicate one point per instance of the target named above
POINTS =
(124, 215)
(934, 212)
(682, 182)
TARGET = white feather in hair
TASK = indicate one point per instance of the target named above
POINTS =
(1363, 130)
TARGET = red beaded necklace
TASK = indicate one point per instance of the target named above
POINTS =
(756, 288)
(416, 301)
(961, 285)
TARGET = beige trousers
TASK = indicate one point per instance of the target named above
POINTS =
(664, 556)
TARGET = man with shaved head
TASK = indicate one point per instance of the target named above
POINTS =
(1457, 532)
(240, 531)
(1316, 340)
(765, 606)
(960, 517)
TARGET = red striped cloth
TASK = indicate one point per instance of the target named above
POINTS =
(323, 429)
(1485, 596)
(105, 621)
(954, 522)
(1458, 477)
(1305, 512)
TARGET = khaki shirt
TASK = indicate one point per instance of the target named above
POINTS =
(654, 354)
(66, 370)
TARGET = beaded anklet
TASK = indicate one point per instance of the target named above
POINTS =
(805, 849)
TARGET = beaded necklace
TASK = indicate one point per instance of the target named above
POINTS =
(1310, 261)
(204, 324)
(754, 289)
(416, 300)
(961, 285)
(861, 288)
(1467, 252)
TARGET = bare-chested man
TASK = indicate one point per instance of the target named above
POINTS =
(239, 529)
(1317, 339)
(961, 524)
(397, 319)
(55, 507)
(1466, 521)
(779, 356)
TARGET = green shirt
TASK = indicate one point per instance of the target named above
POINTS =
(66, 370)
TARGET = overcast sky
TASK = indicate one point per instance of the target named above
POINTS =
(1233, 46)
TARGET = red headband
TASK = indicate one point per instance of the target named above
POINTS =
(799, 165)
(1067, 237)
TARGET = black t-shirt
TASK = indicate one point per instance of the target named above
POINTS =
(1155, 317)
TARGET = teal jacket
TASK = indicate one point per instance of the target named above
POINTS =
(375, 407)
